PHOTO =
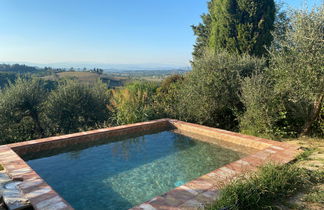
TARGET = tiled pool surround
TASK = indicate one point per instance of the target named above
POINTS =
(191, 195)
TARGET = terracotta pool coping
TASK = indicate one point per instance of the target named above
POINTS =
(191, 195)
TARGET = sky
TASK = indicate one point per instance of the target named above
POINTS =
(101, 31)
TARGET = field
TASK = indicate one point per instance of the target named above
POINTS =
(88, 77)
(81, 76)
(115, 78)
(148, 75)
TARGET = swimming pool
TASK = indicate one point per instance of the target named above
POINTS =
(121, 173)
(185, 165)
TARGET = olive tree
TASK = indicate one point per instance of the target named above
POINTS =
(298, 67)
(210, 93)
(20, 110)
(294, 98)
(75, 106)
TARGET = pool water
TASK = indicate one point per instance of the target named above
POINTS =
(124, 173)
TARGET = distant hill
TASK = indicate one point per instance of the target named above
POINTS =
(113, 77)
(18, 68)
(114, 67)
(9, 72)
(87, 77)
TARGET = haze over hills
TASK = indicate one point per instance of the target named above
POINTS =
(105, 66)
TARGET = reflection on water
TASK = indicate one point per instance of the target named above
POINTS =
(123, 148)
(115, 174)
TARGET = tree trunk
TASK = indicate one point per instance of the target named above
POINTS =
(39, 128)
(316, 109)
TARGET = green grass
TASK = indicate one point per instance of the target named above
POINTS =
(272, 184)
(1, 167)
(305, 155)
(316, 196)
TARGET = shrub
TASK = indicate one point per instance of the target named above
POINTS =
(210, 94)
(133, 103)
(264, 111)
(166, 100)
(271, 184)
(20, 110)
(75, 107)
(297, 67)
(292, 104)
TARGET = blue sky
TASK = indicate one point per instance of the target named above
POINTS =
(101, 31)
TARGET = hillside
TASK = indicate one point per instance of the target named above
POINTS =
(87, 77)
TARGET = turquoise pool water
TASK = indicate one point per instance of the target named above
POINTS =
(119, 174)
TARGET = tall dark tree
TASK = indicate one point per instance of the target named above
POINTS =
(238, 26)
(202, 31)
(242, 26)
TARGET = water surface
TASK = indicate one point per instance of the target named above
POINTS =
(122, 174)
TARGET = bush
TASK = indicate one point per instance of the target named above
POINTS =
(166, 100)
(264, 114)
(271, 184)
(298, 69)
(20, 110)
(133, 103)
(74, 107)
(292, 103)
(210, 94)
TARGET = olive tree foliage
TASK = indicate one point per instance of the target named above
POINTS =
(75, 106)
(295, 98)
(210, 93)
(298, 67)
(133, 103)
(20, 110)
(263, 108)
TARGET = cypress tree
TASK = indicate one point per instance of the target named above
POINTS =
(238, 26)
(202, 31)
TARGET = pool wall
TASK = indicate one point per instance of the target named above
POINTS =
(191, 195)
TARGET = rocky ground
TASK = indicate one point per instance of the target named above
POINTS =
(10, 196)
